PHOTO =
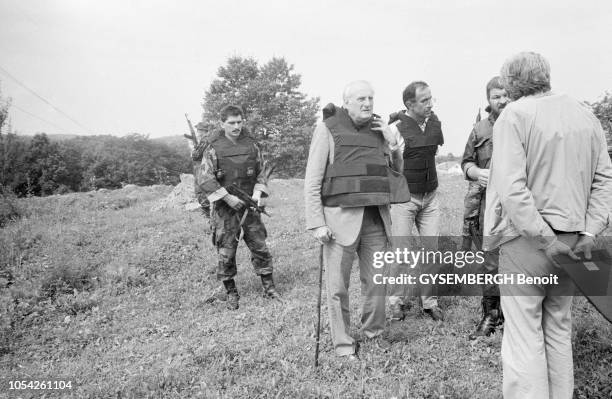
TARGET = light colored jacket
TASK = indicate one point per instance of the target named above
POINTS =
(345, 223)
(549, 170)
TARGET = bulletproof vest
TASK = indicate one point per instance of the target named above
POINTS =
(236, 163)
(359, 174)
(420, 152)
(483, 142)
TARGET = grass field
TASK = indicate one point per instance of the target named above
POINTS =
(112, 296)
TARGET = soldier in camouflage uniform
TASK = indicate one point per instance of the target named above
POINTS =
(233, 157)
(475, 164)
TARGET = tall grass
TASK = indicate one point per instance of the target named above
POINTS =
(116, 298)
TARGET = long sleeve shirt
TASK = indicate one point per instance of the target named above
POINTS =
(549, 170)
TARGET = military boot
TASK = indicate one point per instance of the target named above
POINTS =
(491, 318)
(233, 299)
(268, 286)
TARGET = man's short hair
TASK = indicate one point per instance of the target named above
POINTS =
(494, 83)
(524, 74)
(409, 93)
(231, 110)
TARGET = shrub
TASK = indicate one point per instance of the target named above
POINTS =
(9, 210)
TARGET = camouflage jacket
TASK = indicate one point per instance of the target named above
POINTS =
(477, 152)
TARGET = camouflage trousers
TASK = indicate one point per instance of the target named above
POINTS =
(472, 216)
(472, 206)
(226, 225)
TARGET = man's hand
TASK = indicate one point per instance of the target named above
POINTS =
(323, 234)
(483, 177)
(559, 248)
(479, 175)
(585, 244)
(379, 125)
(234, 202)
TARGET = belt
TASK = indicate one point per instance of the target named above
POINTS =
(557, 232)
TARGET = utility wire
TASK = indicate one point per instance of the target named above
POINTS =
(38, 117)
(43, 99)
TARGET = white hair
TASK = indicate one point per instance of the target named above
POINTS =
(348, 89)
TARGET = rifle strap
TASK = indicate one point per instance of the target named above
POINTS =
(242, 219)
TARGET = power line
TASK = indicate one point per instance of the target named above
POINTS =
(38, 117)
(43, 99)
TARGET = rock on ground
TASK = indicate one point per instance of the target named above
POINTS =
(181, 197)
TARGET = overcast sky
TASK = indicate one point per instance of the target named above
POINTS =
(117, 67)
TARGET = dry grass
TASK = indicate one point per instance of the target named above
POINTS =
(114, 296)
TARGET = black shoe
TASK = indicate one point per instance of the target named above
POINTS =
(268, 285)
(485, 328)
(491, 318)
(435, 313)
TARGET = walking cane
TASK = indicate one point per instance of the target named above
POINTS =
(316, 364)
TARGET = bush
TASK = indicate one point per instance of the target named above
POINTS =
(9, 211)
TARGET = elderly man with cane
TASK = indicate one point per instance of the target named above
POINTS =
(348, 188)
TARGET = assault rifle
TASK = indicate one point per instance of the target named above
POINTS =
(250, 203)
(193, 136)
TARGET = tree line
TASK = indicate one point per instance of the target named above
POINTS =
(38, 166)
(278, 115)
